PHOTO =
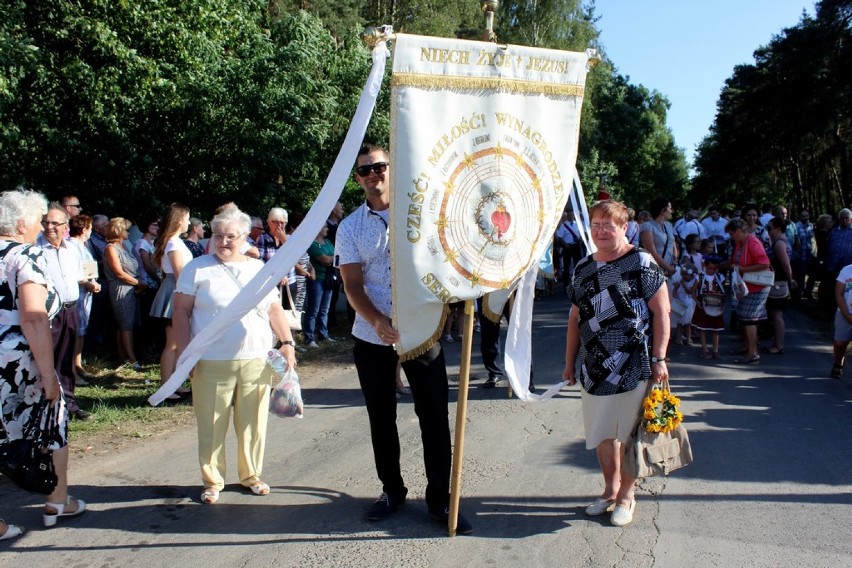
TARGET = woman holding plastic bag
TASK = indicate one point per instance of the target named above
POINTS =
(233, 372)
(748, 256)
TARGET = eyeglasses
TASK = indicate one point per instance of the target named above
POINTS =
(260, 228)
(378, 167)
(77, 205)
(605, 227)
(53, 223)
(221, 237)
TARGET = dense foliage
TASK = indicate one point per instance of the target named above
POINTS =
(132, 105)
(782, 129)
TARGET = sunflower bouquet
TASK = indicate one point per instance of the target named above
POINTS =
(661, 411)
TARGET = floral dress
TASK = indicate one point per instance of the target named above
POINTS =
(20, 383)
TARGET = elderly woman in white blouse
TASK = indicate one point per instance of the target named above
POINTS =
(232, 375)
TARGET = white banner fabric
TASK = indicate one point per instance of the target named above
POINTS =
(483, 148)
(284, 259)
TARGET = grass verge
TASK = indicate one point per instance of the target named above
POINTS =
(117, 397)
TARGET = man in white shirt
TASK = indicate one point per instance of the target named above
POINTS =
(362, 254)
(689, 225)
(714, 227)
(65, 266)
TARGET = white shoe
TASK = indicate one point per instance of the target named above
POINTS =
(313, 345)
(623, 515)
(12, 531)
(51, 518)
(600, 506)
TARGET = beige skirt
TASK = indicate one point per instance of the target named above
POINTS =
(612, 416)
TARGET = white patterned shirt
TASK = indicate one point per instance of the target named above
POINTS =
(363, 238)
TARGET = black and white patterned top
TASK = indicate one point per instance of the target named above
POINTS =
(615, 322)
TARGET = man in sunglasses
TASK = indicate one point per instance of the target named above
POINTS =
(362, 254)
(65, 265)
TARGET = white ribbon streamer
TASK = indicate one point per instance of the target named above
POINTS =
(284, 259)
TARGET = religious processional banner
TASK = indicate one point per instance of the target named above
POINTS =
(483, 150)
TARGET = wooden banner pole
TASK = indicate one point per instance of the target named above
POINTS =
(461, 418)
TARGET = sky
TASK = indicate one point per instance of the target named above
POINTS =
(686, 49)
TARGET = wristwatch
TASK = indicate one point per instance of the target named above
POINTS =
(658, 359)
(293, 343)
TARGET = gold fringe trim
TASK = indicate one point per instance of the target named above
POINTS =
(429, 343)
(484, 83)
(487, 312)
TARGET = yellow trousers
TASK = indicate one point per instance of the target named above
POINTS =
(217, 387)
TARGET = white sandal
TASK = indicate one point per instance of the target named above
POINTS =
(12, 531)
(51, 518)
(210, 495)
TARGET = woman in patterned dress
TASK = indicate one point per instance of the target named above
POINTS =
(121, 270)
(27, 376)
(616, 294)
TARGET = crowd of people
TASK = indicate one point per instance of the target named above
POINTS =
(753, 260)
(148, 288)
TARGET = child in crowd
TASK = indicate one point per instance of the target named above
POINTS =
(708, 248)
(710, 301)
(683, 305)
(692, 250)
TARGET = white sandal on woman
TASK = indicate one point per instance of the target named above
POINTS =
(51, 518)
(12, 531)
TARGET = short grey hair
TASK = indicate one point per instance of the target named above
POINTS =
(100, 221)
(229, 216)
(845, 213)
(277, 213)
(20, 205)
(56, 206)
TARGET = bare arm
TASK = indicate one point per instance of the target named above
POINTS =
(353, 281)
(36, 328)
(111, 259)
(148, 264)
(279, 325)
(784, 259)
(839, 293)
(176, 258)
(181, 315)
(647, 240)
(253, 252)
(660, 332)
(572, 346)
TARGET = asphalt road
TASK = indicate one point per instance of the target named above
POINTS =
(771, 484)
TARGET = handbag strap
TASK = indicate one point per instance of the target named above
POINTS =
(290, 298)
(239, 284)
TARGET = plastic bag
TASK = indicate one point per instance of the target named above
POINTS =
(738, 285)
(286, 397)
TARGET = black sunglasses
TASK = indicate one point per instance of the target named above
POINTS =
(378, 167)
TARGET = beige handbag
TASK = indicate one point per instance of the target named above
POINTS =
(648, 454)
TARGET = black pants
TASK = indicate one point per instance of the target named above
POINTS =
(427, 376)
(63, 329)
(489, 342)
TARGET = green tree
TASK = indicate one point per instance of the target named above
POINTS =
(782, 127)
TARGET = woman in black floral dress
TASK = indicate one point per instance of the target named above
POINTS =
(27, 375)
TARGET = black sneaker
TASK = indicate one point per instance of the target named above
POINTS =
(490, 383)
(81, 415)
(462, 524)
(384, 507)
